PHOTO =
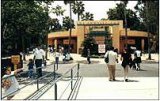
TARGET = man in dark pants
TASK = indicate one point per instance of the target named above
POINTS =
(39, 58)
(88, 56)
(137, 59)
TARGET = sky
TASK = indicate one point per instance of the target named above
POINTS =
(97, 8)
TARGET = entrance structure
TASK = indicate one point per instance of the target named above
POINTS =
(109, 32)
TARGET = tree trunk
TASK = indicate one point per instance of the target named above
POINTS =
(126, 36)
(23, 47)
(70, 31)
(47, 35)
(46, 46)
(148, 29)
(78, 17)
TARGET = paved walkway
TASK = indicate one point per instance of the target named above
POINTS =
(136, 88)
(77, 57)
(99, 87)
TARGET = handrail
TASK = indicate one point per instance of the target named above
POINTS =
(53, 83)
(22, 72)
(28, 83)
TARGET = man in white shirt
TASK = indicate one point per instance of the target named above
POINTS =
(137, 59)
(112, 63)
(39, 58)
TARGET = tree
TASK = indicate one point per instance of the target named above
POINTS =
(90, 43)
(70, 31)
(54, 25)
(68, 23)
(117, 13)
(58, 10)
(78, 8)
(87, 16)
(20, 20)
(149, 13)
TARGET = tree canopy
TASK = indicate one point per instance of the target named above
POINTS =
(20, 20)
(87, 16)
(117, 13)
(68, 23)
(78, 8)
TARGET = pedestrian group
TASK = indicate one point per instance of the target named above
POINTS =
(111, 59)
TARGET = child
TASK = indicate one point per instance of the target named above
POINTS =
(10, 83)
(30, 68)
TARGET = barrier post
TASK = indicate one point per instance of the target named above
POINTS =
(37, 78)
(55, 91)
(54, 72)
(71, 79)
(78, 71)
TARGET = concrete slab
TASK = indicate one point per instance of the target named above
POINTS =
(100, 88)
(136, 88)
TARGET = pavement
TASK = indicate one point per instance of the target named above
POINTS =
(98, 87)
(78, 58)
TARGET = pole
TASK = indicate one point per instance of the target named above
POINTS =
(70, 31)
(126, 43)
(147, 24)
(47, 35)
(71, 79)
(78, 71)
(55, 91)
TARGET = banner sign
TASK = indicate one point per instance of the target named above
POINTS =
(101, 48)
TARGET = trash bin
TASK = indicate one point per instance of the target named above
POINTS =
(6, 62)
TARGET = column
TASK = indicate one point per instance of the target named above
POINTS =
(55, 43)
(116, 37)
(142, 45)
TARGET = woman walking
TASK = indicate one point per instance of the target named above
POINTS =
(112, 56)
(126, 58)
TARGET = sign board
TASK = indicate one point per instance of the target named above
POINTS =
(131, 41)
(67, 41)
(15, 59)
(101, 48)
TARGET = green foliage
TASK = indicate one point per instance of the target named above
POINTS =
(87, 16)
(103, 19)
(149, 13)
(58, 10)
(89, 43)
(68, 1)
(78, 8)
(68, 23)
(117, 13)
(54, 25)
(22, 21)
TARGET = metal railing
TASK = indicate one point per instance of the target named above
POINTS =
(36, 80)
(37, 95)
(52, 82)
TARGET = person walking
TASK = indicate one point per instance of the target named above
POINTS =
(88, 56)
(112, 56)
(57, 55)
(137, 59)
(125, 58)
(30, 68)
(39, 58)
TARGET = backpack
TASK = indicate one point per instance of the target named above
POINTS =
(106, 59)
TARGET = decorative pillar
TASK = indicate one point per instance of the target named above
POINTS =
(142, 45)
(116, 37)
(55, 43)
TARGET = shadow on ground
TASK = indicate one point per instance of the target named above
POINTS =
(85, 62)
(23, 79)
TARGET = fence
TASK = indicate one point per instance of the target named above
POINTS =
(53, 81)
